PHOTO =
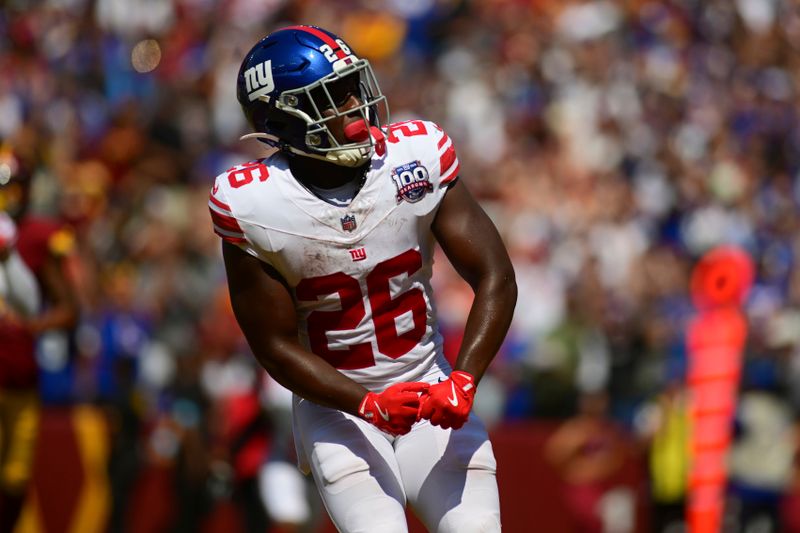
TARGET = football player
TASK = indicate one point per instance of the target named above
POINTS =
(32, 252)
(328, 247)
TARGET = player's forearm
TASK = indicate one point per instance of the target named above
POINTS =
(488, 322)
(310, 377)
(61, 317)
(21, 287)
(63, 310)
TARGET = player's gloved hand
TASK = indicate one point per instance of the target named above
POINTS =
(8, 235)
(447, 404)
(395, 409)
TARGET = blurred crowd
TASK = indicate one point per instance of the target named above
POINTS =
(613, 143)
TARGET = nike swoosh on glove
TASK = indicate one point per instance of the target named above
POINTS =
(395, 409)
(447, 404)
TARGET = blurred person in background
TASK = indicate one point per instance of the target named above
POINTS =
(663, 426)
(122, 334)
(328, 248)
(283, 489)
(32, 261)
(761, 460)
(241, 439)
(589, 452)
(19, 299)
(225, 432)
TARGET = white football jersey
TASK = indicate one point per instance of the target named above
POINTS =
(360, 274)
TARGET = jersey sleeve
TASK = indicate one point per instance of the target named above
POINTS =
(223, 219)
(430, 164)
(238, 210)
(447, 162)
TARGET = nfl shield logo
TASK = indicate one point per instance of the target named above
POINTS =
(348, 222)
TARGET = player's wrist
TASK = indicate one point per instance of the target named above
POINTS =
(463, 374)
(465, 382)
(448, 403)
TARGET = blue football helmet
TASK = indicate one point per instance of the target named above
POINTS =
(292, 79)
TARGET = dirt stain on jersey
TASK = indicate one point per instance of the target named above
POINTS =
(317, 260)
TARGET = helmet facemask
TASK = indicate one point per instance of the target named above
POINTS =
(327, 95)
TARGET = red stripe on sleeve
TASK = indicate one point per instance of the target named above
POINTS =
(446, 160)
(443, 140)
(225, 222)
(452, 175)
(219, 204)
(232, 240)
(323, 36)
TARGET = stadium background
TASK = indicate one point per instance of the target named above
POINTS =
(613, 142)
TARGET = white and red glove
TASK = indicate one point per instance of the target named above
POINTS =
(395, 409)
(448, 403)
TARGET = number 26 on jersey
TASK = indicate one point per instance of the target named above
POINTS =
(385, 311)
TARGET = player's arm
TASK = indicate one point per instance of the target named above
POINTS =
(22, 290)
(264, 309)
(471, 242)
(474, 247)
(19, 283)
(62, 310)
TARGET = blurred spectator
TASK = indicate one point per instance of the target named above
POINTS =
(663, 424)
(36, 297)
(761, 459)
(589, 451)
(285, 492)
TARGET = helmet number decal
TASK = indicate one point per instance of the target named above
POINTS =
(343, 46)
(258, 80)
(329, 52)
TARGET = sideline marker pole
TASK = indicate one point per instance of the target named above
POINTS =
(715, 340)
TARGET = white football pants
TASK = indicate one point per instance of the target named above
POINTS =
(365, 476)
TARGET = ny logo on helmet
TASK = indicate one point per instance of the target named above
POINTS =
(259, 80)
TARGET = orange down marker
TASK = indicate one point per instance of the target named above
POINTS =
(716, 336)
